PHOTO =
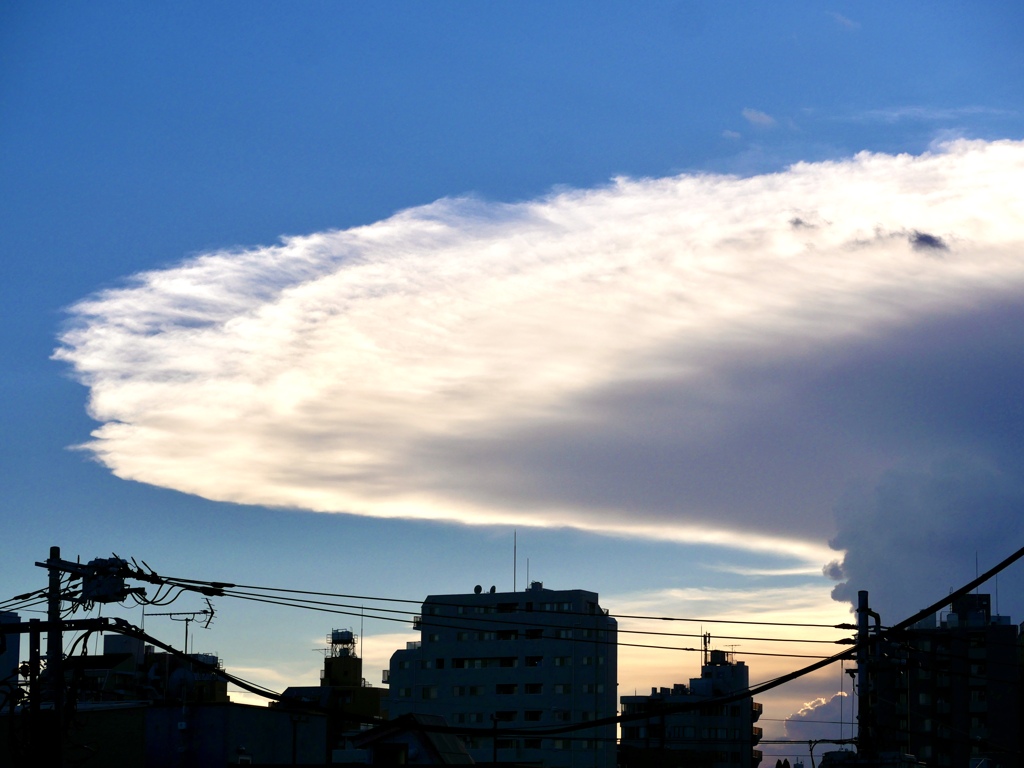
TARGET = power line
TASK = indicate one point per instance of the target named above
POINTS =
(225, 585)
(594, 641)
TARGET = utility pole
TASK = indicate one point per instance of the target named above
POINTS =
(55, 656)
(864, 729)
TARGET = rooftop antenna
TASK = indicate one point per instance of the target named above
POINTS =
(189, 616)
(515, 560)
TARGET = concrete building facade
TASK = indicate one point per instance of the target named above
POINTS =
(495, 661)
(948, 690)
(685, 728)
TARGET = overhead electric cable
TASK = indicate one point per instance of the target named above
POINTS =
(228, 585)
(464, 620)
(593, 641)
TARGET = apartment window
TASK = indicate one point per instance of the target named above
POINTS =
(508, 607)
(564, 634)
(508, 661)
(534, 634)
(505, 716)
(563, 688)
(434, 637)
(593, 688)
(534, 688)
(404, 664)
(508, 634)
(508, 744)
(404, 693)
(506, 689)
(533, 715)
(429, 692)
(531, 743)
(563, 661)
(488, 635)
(427, 664)
(534, 661)
(466, 636)
(560, 744)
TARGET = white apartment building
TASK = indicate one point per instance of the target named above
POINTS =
(536, 659)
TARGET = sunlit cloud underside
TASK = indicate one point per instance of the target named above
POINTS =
(596, 358)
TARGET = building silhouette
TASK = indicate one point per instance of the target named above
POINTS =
(948, 689)
(349, 702)
(495, 661)
(133, 705)
(685, 727)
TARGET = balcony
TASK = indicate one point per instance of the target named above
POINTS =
(756, 708)
(385, 675)
(757, 733)
(417, 622)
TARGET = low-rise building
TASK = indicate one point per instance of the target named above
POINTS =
(684, 726)
(350, 703)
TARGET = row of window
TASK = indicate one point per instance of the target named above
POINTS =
(476, 742)
(706, 710)
(684, 732)
(501, 689)
(490, 662)
(462, 610)
(528, 715)
(565, 633)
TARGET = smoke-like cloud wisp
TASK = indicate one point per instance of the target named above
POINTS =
(675, 357)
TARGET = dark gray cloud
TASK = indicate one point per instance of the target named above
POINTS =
(923, 241)
(918, 534)
(775, 442)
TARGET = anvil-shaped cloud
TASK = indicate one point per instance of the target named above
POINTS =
(704, 358)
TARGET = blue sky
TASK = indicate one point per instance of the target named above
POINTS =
(545, 267)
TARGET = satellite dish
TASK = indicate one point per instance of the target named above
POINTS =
(477, 589)
(492, 590)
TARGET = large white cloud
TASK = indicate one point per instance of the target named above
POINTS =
(661, 357)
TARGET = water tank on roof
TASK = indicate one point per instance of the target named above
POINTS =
(342, 636)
